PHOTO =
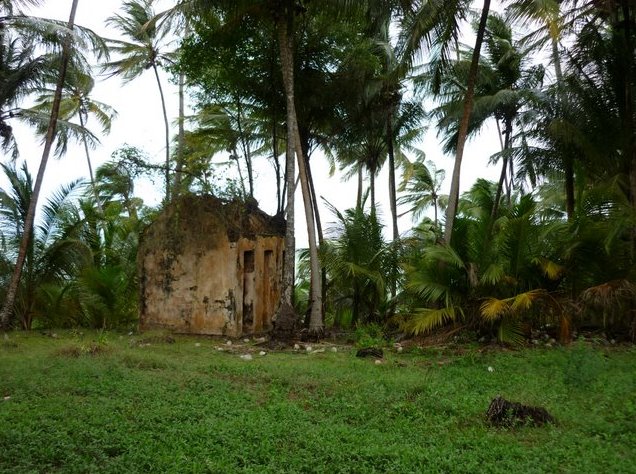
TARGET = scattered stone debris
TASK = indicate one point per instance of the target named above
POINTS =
(246, 356)
(309, 348)
(228, 343)
(7, 398)
(246, 340)
(296, 347)
(197, 344)
(262, 353)
(334, 349)
(502, 412)
(378, 362)
(370, 352)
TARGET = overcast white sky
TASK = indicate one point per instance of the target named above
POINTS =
(140, 123)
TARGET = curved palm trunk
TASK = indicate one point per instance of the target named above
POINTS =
(453, 198)
(167, 127)
(287, 66)
(7, 308)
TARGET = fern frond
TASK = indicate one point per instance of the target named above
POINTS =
(493, 309)
(510, 332)
(524, 301)
(550, 269)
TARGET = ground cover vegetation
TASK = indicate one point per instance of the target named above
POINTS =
(114, 402)
(551, 244)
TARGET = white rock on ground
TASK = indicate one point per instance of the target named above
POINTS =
(246, 357)
(262, 353)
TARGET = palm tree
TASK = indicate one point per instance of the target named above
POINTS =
(506, 85)
(436, 24)
(9, 301)
(142, 51)
(358, 264)
(54, 254)
(76, 101)
(22, 73)
(283, 15)
(421, 184)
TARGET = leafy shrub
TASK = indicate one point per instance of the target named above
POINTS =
(369, 335)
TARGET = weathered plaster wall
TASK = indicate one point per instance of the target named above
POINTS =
(219, 282)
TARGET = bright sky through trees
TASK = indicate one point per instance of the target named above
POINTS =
(139, 123)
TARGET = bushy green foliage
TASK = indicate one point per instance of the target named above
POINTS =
(369, 335)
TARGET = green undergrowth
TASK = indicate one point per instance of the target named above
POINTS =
(117, 403)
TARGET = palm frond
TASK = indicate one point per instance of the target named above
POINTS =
(425, 320)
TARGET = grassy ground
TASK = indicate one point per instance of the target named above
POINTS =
(116, 403)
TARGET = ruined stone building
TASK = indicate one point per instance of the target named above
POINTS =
(211, 267)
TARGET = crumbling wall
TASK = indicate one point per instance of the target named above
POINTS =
(210, 267)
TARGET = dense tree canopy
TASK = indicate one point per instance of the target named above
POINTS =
(291, 82)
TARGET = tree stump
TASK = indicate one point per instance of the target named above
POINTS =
(370, 352)
(285, 325)
(502, 412)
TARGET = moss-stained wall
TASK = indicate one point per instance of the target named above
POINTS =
(210, 267)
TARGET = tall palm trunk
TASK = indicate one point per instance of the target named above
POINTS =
(321, 237)
(98, 204)
(392, 198)
(372, 189)
(392, 187)
(629, 120)
(247, 152)
(360, 187)
(502, 176)
(568, 165)
(7, 308)
(276, 164)
(453, 198)
(180, 137)
(287, 65)
(167, 130)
